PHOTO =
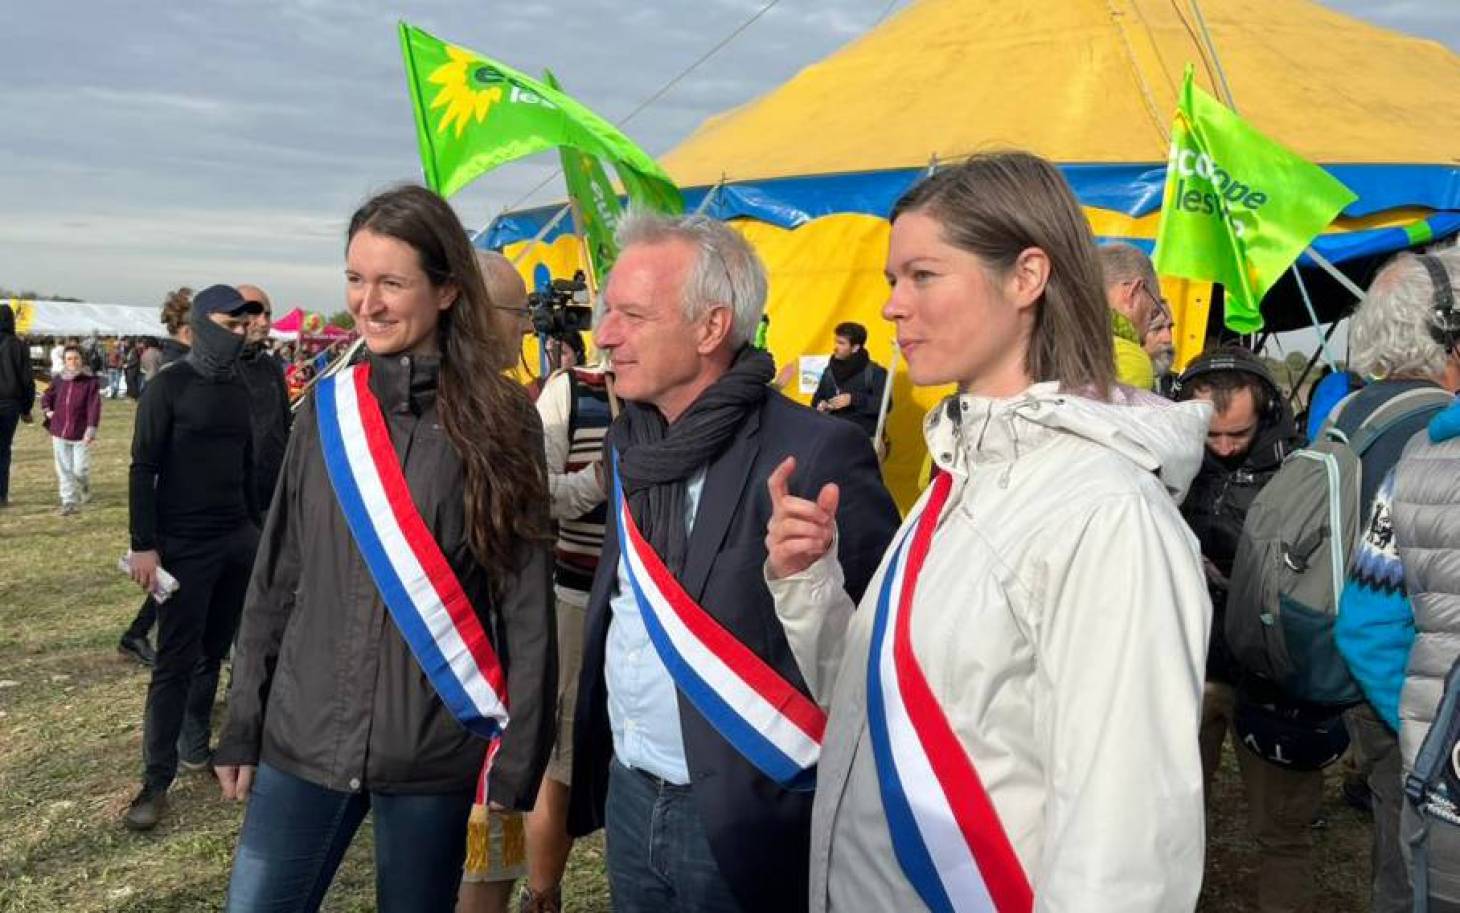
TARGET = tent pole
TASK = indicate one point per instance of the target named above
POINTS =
(1318, 258)
(886, 404)
(1308, 369)
(710, 196)
(1313, 316)
(1335, 272)
(542, 233)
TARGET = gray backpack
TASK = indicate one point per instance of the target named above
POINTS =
(1290, 563)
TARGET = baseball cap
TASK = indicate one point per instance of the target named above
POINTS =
(224, 299)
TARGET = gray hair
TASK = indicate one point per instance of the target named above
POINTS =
(1124, 262)
(727, 271)
(1391, 335)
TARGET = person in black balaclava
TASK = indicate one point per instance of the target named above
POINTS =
(851, 386)
(194, 510)
(17, 393)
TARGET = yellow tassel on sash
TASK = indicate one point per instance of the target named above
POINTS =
(479, 826)
(478, 840)
(514, 841)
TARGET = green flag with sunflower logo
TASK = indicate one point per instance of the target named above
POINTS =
(474, 113)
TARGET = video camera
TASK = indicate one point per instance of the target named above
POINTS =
(562, 309)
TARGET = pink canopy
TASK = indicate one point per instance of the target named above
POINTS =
(289, 326)
(290, 322)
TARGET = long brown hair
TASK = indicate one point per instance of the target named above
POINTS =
(487, 416)
(997, 205)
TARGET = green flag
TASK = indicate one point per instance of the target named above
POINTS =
(1238, 208)
(595, 205)
(474, 113)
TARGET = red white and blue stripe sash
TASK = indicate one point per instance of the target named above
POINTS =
(415, 580)
(947, 834)
(772, 724)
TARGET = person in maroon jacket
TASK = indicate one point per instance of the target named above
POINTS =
(72, 406)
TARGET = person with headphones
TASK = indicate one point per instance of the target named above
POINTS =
(1252, 431)
(1395, 627)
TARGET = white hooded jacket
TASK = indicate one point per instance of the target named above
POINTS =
(1061, 621)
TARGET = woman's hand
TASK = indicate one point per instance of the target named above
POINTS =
(799, 531)
(235, 780)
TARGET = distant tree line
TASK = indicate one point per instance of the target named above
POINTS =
(32, 295)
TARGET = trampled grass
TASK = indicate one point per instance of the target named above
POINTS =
(71, 719)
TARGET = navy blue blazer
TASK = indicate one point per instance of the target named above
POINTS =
(759, 833)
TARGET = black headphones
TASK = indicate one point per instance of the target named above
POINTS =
(1446, 328)
(1233, 359)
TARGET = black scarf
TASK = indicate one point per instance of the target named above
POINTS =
(655, 458)
(215, 350)
(844, 369)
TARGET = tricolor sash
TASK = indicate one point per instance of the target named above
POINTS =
(773, 725)
(415, 581)
(947, 834)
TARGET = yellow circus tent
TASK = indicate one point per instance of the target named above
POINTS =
(808, 171)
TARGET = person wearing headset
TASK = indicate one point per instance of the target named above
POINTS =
(1252, 431)
(1395, 628)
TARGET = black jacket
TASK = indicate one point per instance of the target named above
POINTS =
(17, 383)
(192, 458)
(1216, 506)
(865, 389)
(758, 832)
(172, 351)
(270, 415)
(324, 686)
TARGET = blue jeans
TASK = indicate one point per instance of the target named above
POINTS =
(295, 834)
(658, 855)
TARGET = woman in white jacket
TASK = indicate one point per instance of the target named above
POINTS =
(1013, 709)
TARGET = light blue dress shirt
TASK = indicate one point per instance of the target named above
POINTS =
(643, 704)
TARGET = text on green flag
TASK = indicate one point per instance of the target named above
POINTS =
(474, 113)
(1238, 208)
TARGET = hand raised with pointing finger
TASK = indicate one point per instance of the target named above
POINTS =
(799, 531)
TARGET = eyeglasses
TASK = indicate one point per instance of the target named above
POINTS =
(1161, 316)
(520, 312)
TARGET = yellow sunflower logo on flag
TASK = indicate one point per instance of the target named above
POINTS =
(469, 88)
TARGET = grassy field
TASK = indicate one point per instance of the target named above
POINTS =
(70, 730)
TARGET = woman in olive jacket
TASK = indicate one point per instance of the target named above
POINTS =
(330, 714)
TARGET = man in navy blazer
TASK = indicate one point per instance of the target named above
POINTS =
(692, 824)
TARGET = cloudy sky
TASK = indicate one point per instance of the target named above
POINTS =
(151, 145)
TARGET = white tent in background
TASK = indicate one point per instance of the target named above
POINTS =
(80, 318)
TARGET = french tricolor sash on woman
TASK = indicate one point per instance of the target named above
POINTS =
(947, 834)
(414, 579)
(772, 724)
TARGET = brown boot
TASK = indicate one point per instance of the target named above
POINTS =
(550, 901)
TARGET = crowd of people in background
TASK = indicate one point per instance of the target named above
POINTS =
(77, 372)
(722, 643)
(123, 365)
